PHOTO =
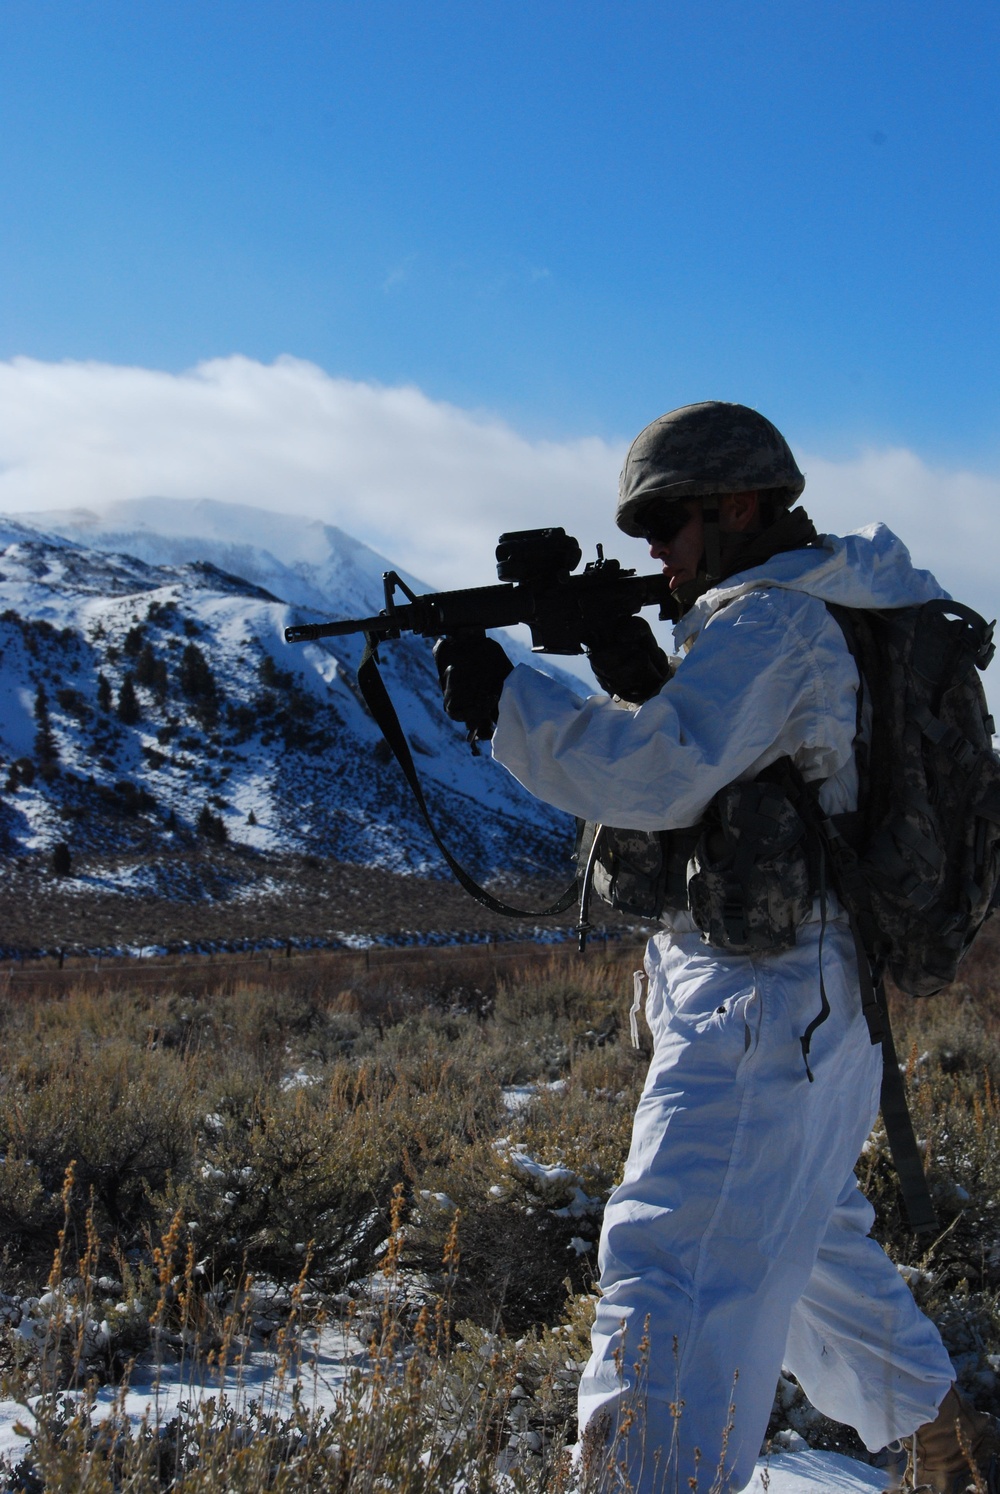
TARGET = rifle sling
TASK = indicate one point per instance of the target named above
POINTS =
(376, 697)
(902, 1141)
(917, 1201)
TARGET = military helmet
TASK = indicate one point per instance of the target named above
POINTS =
(705, 449)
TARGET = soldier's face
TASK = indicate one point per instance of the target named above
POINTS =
(681, 555)
(681, 552)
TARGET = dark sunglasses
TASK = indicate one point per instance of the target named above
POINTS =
(662, 520)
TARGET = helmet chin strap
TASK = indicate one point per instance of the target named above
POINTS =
(713, 541)
(710, 569)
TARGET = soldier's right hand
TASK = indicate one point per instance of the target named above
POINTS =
(628, 662)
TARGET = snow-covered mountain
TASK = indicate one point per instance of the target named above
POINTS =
(146, 689)
(302, 561)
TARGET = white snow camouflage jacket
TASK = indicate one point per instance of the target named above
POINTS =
(766, 674)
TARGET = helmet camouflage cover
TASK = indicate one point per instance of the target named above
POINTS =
(705, 449)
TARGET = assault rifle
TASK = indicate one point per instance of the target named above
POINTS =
(537, 587)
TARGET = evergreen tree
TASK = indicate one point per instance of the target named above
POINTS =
(128, 702)
(151, 671)
(196, 678)
(212, 826)
(198, 683)
(61, 859)
(103, 693)
(45, 743)
(145, 666)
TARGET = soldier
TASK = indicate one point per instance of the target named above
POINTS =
(738, 1240)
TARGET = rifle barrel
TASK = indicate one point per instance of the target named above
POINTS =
(306, 632)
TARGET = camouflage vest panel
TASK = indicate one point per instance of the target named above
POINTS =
(747, 873)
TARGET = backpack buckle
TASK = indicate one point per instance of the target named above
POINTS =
(987, 648)
(965, 754)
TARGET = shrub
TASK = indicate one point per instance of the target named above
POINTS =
(72, 702)
(124, 1119)
(243, 720)
(129, 798)
(21, 774)
(161, 612)
(61, 859)
(273, 678)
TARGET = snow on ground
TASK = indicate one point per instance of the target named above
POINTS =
(313, 1375)
(806, 1471)
(518, 1097)
(324, 1360)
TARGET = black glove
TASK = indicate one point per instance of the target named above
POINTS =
(627, 660)
(472, 671)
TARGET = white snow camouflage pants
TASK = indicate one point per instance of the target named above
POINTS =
(738, 1241)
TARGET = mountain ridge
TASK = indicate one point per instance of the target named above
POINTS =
(209, 738)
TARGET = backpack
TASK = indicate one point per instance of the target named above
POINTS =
(919, 865)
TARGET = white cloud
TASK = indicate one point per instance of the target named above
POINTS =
(950, 520)
(426, 483)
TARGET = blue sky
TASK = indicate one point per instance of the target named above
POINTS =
(569, 215)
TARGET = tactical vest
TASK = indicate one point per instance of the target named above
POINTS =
(748, 872)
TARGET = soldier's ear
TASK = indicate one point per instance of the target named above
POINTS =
(739, 512)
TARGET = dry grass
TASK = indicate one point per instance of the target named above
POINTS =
(161, 1145)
